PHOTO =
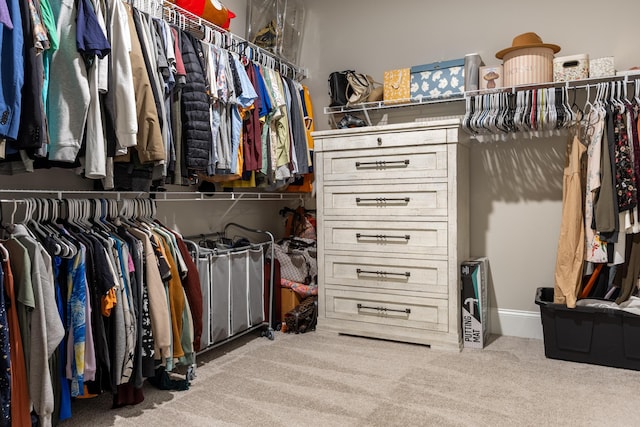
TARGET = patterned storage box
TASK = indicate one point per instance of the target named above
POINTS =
(602, 67)
(437, 79)
(396, 86)
(573, 67)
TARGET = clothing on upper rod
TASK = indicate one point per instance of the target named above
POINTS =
(600, 200)
(174, 106)
(535, 112)
(112, 294)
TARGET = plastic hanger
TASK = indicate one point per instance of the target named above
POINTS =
(69, 248)
(466, 121)
(4, 252)
(551, 109)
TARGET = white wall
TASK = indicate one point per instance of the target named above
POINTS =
(239, 23)
(517, 185)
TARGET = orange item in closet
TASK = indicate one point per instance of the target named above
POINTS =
(591, 282)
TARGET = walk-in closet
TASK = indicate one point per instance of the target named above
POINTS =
(285, 212)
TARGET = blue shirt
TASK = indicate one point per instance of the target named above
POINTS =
(89, 35)
(11, 73)
(265, 105)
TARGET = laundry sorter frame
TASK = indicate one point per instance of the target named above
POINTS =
(219, 329)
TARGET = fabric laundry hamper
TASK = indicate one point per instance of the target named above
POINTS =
(220, 282)
(255, 277)
(204, 271)
(246, 275)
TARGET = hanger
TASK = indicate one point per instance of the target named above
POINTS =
(9, 226)
(67, 248)
(126, 214)
(4, 252)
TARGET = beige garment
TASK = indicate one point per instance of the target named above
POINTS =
(150, 146)
(176, 296)
(570, 258)
(158, 306)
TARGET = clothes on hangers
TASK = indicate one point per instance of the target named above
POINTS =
(532, 112)
(5, 360)
(18, 390)
(100, 317)
(609, 134)
(165, 107)
(568, 273)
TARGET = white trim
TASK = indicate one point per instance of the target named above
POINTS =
(516, 323)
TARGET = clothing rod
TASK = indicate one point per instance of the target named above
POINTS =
(59, 194)
(186, 196)
(571, 84)
(168, 196)
(185, 17)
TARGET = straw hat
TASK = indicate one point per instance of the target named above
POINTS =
(526, 40)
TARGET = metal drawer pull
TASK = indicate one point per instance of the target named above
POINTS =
(383, 163)
(383, 199)
(384, 309)
(383, 273)
(381, 236)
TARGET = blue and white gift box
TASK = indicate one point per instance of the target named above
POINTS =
(437, 80)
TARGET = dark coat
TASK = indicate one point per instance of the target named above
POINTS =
(196, 125)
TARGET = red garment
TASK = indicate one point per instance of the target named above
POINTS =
(252, 140)
(20, 404)
(191, 285)
(180, 70)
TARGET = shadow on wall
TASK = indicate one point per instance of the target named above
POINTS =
(519, 169)
(513, 171)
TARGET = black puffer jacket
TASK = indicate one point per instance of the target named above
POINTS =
(196, 127)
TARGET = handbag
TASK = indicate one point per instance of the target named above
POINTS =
(303, 317)
(339, 90)
(362, 88)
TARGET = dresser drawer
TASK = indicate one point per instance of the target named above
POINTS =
(429, 161)
(353, 139)
(402, 274)
(412, 238)
(388, 310)
(386, 200)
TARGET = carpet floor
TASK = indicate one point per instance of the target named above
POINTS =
(325, 379)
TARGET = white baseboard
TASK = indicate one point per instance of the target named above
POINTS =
(515, 323)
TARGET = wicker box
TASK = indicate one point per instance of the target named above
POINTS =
(528, 66)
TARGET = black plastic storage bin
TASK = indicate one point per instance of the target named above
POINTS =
(600, 336)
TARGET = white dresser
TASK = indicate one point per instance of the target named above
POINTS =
(393, 228)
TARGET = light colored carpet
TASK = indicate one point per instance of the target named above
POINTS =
(324, 379)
